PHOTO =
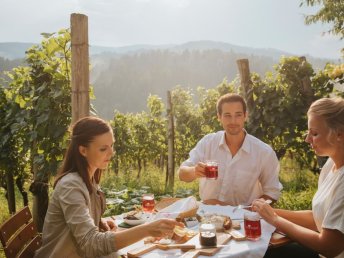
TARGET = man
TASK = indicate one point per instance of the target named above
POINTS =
(247, 167)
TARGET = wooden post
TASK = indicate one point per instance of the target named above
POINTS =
(10, 193)
(246, 83)
(80, 67)
(170, 145)
(306, 89)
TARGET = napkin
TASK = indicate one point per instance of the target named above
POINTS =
(181, 206)
(204, 209)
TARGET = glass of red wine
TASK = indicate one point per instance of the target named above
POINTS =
(211, 169)
(148, 202)
(252, 225)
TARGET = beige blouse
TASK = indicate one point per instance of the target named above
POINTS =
(71, 223)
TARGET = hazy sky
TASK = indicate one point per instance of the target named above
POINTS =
(254, 23)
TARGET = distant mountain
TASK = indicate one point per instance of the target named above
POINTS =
(123, 77)
(14, 50)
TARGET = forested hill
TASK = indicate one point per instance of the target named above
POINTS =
(124, 77)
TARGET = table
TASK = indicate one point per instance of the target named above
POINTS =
(232, 248)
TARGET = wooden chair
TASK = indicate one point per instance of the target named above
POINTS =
(19, 235)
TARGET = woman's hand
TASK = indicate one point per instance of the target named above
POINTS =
(265, 211)
(162, 227)
(107, 224)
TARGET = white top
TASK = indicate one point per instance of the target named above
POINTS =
(252, 172)
(328, 201)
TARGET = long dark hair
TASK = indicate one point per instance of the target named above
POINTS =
(83, 132)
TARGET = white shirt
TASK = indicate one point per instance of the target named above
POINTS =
(252, 172)
(328, 201)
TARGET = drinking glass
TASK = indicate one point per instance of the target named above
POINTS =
(148, 202)
(252, 225)
(211, 169)
(207, 234)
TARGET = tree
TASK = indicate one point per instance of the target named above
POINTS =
(41, 112)
(331, 11)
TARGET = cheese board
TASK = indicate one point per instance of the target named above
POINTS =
(222, 239)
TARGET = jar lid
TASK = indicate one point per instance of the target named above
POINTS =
(207, 226)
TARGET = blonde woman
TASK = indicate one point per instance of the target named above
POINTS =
(322, 228)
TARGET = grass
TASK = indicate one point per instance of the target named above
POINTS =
(124, 191)
(299, 186)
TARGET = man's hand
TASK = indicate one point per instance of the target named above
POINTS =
(214, 202)
(200, 170)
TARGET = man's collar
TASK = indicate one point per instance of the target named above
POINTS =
(245, 145)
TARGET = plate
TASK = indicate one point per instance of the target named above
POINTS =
(134, 222)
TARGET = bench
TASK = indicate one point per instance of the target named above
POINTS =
(19, 235)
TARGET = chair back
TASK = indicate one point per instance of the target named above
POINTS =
(19, 235)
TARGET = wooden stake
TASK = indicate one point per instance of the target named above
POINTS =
(246, 83)
(170, 142)
(80, 67)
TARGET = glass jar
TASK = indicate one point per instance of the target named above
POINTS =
(252, 225)
(207, 235)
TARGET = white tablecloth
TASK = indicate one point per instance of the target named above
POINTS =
(242, 249)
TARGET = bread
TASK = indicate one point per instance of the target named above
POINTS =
(221, 222)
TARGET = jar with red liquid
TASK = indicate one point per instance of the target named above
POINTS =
(148, 202)
(253, 229)
(211, 169)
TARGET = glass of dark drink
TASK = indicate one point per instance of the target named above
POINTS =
(148, 202)
(211, 169)
(207, 235)
(253, 229)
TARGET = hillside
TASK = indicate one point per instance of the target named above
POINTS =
(123, 77)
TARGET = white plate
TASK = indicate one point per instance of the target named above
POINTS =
(134, 222)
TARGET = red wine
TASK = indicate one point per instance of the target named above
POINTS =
(211, 171)
(253, 229)
(148, 203)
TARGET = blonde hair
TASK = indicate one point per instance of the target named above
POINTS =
(331, 110)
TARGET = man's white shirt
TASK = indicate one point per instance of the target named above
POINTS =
(252, 172)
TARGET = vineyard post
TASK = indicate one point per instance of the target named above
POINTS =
(246, 83)
(170, 145)
(10, 193)
(80, 67)
(307, 85)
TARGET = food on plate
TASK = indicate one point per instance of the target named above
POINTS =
(181, 235)
(134, 218)
(221, 222)
(190, 222)
(133, 215)
(237, 235)
(236, 224)
(165, 241)
(227, 223)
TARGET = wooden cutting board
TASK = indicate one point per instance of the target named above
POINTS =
(150, 247)
(222, 238)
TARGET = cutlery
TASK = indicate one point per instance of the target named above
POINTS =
(243, 206)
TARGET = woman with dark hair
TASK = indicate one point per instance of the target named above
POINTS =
(73, 226)
(320, 230)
